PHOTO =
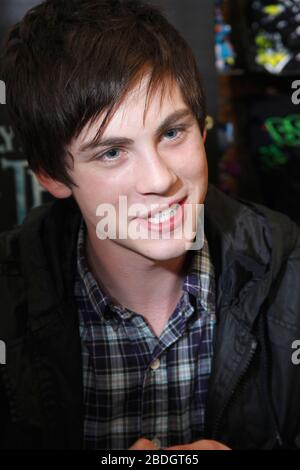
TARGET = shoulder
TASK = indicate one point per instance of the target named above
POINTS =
(10, 240)
(257, 247)
(30, 262)
(248, 222)
(40, 223)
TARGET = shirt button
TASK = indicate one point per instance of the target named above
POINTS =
(126, 315)
(155, 364)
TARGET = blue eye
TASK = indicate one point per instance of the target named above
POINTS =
(107, 156)
(180, 130)
(172, 130)
(110, 155)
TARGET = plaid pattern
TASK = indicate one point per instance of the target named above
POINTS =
(135, 384)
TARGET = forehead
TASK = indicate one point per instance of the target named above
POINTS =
(134, 112)
(164, 97)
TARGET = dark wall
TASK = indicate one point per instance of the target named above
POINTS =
(13, 10)
(18, 188)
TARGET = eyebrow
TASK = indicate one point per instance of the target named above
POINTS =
(116, 141)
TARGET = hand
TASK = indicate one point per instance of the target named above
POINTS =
(202, 444)
(143, 444)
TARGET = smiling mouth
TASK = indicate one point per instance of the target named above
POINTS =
(163, 210)
(168, 219)
(166, 214)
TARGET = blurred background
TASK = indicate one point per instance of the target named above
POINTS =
(248, 52)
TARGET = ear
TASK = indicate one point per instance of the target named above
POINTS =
(54, 187)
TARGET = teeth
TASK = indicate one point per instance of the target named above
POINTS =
(164, 215)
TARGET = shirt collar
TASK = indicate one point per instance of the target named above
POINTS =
(199, 280)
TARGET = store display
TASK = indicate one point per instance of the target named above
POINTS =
(225, 56)
(275, 30)
(274, 141)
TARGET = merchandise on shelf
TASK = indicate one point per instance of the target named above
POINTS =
(225, 56)
(275, 32)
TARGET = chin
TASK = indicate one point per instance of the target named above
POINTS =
(163, 250)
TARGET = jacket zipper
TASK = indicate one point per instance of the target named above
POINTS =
(277, 433)
(248, 362)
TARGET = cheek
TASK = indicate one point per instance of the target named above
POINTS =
(90, 191)
(195, 161)
(96, 187)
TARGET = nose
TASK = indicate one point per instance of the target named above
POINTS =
(154, 173)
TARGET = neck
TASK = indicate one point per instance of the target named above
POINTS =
(138, 283)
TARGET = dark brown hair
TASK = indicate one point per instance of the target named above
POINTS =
(68, 61)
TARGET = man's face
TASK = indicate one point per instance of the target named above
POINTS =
(150, 168)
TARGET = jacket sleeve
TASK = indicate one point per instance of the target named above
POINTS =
(4, 413)
(295, 263)
(284, 326)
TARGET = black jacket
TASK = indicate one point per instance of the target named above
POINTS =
(254, 392)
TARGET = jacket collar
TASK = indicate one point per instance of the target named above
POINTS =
(49, 265)
(241, 248)
(240, 242)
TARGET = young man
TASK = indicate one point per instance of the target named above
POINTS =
(130, 342)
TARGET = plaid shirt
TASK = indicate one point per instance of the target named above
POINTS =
(135, 384)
